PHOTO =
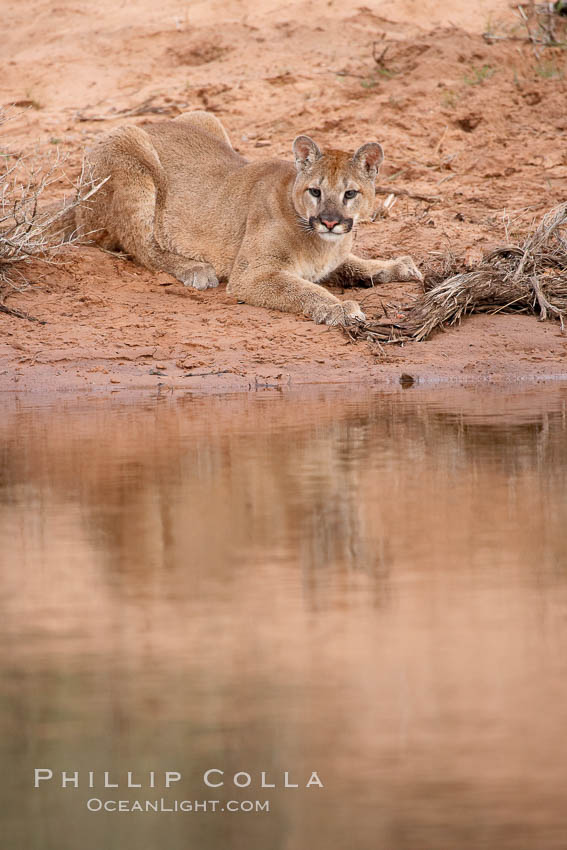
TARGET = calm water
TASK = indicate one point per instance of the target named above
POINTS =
(370, 586)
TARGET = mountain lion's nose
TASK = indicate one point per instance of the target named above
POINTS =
(329, 224)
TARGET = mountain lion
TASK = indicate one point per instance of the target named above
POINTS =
(180, 199)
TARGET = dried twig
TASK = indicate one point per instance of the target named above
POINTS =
(379, 55)
(19, 314)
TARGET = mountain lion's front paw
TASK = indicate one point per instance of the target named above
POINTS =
(199, 276)
(404, 268)
(338, 314)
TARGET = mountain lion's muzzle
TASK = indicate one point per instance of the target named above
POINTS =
(329, 223)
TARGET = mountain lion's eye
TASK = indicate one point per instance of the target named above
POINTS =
(315, 192)
(350, 194)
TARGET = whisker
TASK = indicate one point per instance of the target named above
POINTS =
(304, 224)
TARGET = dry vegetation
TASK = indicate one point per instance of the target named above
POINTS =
(28, 228)
(538, 23)
(531, 277)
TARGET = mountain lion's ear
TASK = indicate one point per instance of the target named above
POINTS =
(305, 151)
(369, 158)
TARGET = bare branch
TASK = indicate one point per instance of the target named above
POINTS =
(28, 228)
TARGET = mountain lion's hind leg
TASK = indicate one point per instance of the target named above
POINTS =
(126, 210)
(205, 121)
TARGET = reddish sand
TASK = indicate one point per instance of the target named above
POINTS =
(479, 126)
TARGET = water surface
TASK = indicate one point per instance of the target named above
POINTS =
(372, 586)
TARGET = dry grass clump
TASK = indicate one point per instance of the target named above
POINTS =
(542, 24)
(530, 278)
(28, 231)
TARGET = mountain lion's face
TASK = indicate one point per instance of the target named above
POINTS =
(333, 190)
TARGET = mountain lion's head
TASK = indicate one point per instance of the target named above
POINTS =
(333, 189)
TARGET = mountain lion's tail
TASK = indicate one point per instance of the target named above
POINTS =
(61, 222)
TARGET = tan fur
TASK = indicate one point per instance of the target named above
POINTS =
(181, 200)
